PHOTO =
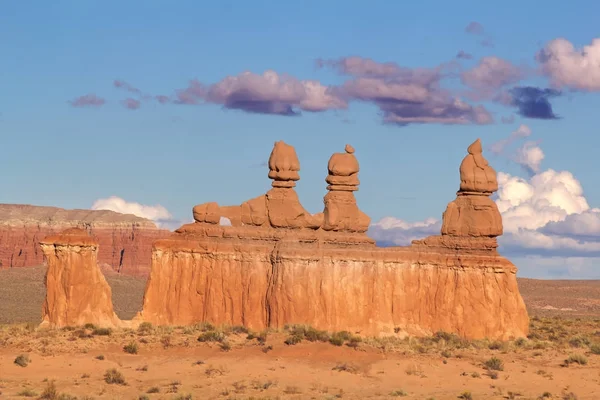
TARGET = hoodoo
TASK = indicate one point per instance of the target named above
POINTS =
(277, 264)
(76, 291)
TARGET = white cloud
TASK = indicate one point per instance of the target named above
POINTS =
(544, 216)
(155, 213)
(569, 67)
(530, 156)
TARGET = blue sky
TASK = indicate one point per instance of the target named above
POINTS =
(178, 155)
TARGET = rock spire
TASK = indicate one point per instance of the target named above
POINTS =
(341, 211)
(473, 213)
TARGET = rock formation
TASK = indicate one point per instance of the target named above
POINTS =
(76, 291)
(473, 213)
(341, 212)
(278, 208)
(125, 240)
(278, 265)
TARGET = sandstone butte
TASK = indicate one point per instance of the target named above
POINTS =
(125, 240)
(277, 264)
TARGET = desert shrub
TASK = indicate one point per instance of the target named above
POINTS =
(577, 359)
(131, 348)
(495, 345)
(100, 357)
(579, 341)
(545, 395)
(354, 341)
(398, 393)
(292, 390)
(101, 331)
(22, 360)
(27, 393)
(89, 326)
(262, 337)
(225, 346)
(336, 341)
(214, 371)
(267, 349)
(346, 368)
(183, 397)
(153, 389)
(293, 339)
(211, 336)
(595, 349)
(314, 335)
(466, 395)
(494, 364)
(113, 376)
(49, 392)
(520, 342)
(446, 354)
(165, 341)
(145, 328)
(238, 329)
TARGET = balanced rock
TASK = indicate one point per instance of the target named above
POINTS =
(476, 175)
(76, 291)
(341, 211)
(283, 205)
(474, 213)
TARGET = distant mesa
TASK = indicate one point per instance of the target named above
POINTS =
(125, 239)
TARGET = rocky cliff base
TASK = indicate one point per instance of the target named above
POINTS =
(263, 278)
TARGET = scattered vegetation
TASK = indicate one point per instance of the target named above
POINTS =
(27, 393)
(466, 395)
(494, 364)
(101, 331)
(398, 393)
(346, 367)
(576, 359)
(131, 347)
(113, 376)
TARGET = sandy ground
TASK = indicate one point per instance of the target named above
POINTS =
(172, 364)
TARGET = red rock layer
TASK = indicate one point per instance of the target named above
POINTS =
(125, 240)
(263, 278)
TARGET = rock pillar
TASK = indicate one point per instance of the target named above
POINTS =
(473, 213)
(341, 211)
(76, 291)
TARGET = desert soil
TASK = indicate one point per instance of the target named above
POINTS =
(171, 363)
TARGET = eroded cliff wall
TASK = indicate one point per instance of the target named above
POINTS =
(125, 240)
(209, 273)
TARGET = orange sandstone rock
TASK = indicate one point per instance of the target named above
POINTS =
(473, 213)
(341, 211)
(76, 290)
(270, 272)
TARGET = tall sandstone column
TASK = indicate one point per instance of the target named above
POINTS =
(76, 291)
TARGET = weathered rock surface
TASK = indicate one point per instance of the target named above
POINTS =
(263, 274)
(76, 290)
(125, 240)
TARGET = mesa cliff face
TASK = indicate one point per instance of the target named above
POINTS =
(277, 264)
(125, 240)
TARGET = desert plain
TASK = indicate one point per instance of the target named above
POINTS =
(560, 359)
